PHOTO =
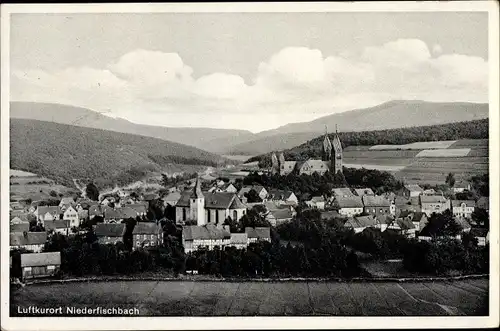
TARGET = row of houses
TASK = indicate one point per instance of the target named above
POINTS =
(209, 236)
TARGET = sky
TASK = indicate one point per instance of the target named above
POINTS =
(251, 71)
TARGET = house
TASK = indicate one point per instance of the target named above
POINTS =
(126, 213)
(23, 218)
(481, 235)
(330, 214)
(360, 192)
(239, 240)
(383, 221)
(19, 227)
(279, 216)
(317, 202)
(418, 219)
(58, 226)
(463, 208)
(150, 197)
(412, 190)
(111, 215)
(229, 188)
(83, 204)
(433, 204)
(283, 197)
(342, 192)
(461, 186)
(376, 205)
(403, 226)
(195, 237)
(66, 202)
(140, 208)
(483, 203)
(348, 206)
(171, 199)
(48, 213)
(71, 215)
(147, 234)
(205, 207)
(37, 265)
(107, 201)
(429, 191)
(33, 241)
(107, 233)
(258, 234)
(260, 190)
(359, 223)
(95, 210)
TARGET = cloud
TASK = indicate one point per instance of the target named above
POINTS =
(294, 84)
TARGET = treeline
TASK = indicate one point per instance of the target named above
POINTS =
(305, 186)
(478, 129)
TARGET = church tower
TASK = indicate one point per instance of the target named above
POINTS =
(327, 147)
(336, 161)
(197, 204)
(281, 162)
(275, 166)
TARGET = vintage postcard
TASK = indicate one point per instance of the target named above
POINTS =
(250, 165)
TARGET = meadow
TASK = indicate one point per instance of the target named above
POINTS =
(25, 185)
(208, 298)
(423, 162)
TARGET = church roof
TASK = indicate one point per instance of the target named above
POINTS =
(237, 204)
(197, 190)
(315, 165)
(327, 144)
(336, 144)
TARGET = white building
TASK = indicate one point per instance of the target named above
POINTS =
(348, 206)
(463, 208)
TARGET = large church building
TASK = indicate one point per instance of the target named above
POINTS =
(208, 207)
(331, 160)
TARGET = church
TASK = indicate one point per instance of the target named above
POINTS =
(331, 160)
(208, 207)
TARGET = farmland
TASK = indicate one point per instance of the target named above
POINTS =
(187, 298)
(423, 162)
(25, 185)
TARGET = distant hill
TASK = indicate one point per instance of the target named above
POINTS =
(64, 152)
(205, 138)
(478, 129)
(389, 115)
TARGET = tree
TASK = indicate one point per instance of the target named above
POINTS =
(252, 196)
(450, 179)
(481, 217)
(92, 191)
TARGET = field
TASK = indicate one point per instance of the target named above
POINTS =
(24, 186)
(423, 162)
(176, 298)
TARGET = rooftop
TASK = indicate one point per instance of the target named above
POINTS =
(109, 229)
(206, 232)
(40, 259)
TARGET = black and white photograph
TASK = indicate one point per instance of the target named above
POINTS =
(265, 165)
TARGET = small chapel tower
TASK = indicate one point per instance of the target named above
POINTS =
(197, 204)
(336, 161)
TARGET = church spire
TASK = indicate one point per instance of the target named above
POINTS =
(197, 193)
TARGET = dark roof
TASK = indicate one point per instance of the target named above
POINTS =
(375, 201)
(109, 229)
(146, 228)
(40, 259)
(468, 203)
(95, 210)
(413, 188)
(280, 194)
(31, 238)
(67, 201)
(258, 232)
(361, 222)
(56, 224)
(363, 191)
(20, 227)
(432, 199)
(330, 214)
(110, 213)
(127, 212)
(417, 216)
(283, 213)
(405, 224)
(463, 223)
(42, 210)
(219, 200)
(237, 204)
(194, 232)
(384, 219)
(150, 196)
(348, 202)
(139, 207)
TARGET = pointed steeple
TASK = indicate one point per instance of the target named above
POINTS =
(197, 193)
(327, 146)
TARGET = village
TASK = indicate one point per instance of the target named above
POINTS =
(214, 213)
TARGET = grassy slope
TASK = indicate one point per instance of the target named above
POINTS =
(64, 152)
